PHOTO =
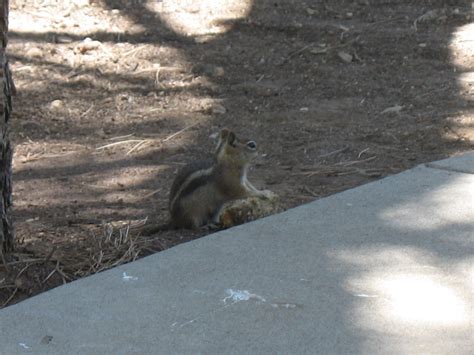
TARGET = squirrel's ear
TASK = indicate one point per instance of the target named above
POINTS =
(231, 138)
(227, 136)
(224, 134)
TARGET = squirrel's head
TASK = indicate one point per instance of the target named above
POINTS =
(232, 149)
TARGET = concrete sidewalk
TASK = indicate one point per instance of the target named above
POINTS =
(383, 268)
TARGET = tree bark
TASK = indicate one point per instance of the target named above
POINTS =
(6, 152)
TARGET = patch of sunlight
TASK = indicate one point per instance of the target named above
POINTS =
(407, 289)
(462, 56)
(198, 18)
(443, 206)
(462, 47)
(419, 298)
(73, 16)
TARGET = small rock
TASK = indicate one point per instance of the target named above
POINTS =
(34, 52)
(56, 104)
(63, 39)
(19, 283)
(344, 28)
(101, 133)
(345, 57)
(219, 71)
(88, 45)
(218, 109)
(46, 339)
(318, 50)
(210, 106)
(202, 39)
(393, 109)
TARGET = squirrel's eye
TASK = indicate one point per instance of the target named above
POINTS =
(252, 145)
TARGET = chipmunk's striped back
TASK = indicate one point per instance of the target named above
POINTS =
(190, 178)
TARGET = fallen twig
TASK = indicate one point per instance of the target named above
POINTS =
(119, 143)
(48, 257)
(353, 162)
(139, 145)
(10, 298)
(179, 132)
(133, 52)
(362, 152)
(120, 137)
(150, 194)
(25, 261)
(49, 275)
(342, 150)
(87, 111)
(4, 262)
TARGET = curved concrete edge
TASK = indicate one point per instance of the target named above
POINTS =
(383, 268)
(463, 163)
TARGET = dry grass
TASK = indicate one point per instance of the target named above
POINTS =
(142, 143)
(118, 244)
(340, 169)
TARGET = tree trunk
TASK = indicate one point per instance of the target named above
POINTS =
(6, 153)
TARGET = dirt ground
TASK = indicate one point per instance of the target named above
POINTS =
(115, 96)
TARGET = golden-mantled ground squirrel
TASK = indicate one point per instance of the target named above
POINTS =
(201, 189)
